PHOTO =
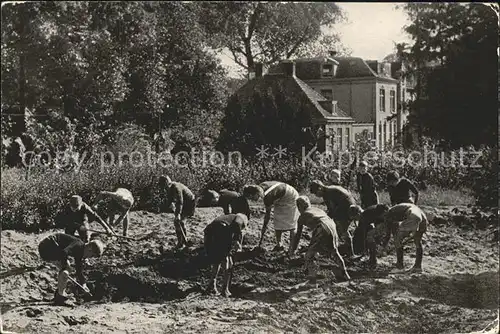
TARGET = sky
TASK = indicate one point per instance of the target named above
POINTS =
(371, 31)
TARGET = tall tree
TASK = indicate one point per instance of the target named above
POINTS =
(325, 44)
(460, 91)
(100, 65)
(266, 31)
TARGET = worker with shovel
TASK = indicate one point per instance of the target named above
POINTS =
(403, 220)
(223, 237)
(58, 248)
(77, 218)
(118, 202)
(324, 237)
(185, 205)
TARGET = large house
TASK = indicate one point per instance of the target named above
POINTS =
(366, 90)
(324, 116)
(354, 98)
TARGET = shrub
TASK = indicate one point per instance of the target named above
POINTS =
(33, 204)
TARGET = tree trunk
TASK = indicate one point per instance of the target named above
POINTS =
(21, 123)
(249, 56)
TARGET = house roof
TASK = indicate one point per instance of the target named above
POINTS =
(353, 67)
(319, 58)
(316, 97)
(348, 67)
(298, 89)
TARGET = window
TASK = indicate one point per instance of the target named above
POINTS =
(393, 101)
(385, 133)
(391, 133)
(382, 99)
(328, 93)
(327, 70)
(339, 136)
(380, 135)
(347, 139)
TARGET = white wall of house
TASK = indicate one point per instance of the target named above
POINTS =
(384, 129)
(341, 137)
(362, 100)
(355, 97)
(363, 130)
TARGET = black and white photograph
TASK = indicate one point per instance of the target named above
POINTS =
(249, 167)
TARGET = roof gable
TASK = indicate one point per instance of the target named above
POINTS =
(294, 88)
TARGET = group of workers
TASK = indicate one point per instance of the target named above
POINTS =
(223, 237)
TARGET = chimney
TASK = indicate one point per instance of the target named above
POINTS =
(332, 53)
(288, 68)
(260, 70)
(330, 106)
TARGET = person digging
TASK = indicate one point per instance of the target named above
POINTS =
(324, 237)
(223, 237)
(58, 248)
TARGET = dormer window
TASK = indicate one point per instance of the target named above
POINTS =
(327, 70)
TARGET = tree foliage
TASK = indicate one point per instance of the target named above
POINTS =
(99, 65)
(325, 44)
(460, 90)
(266, 31)
(269, 114)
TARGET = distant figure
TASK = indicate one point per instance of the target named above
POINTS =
(400, 188)
(58, 248)
(185, 205)
(234, 202)
(281, 198)
(336, 177)
(402, 220)
(119, 203)
(222, 239)
(77, 219)
(338, 200)
(324, 237)
(370, 230)
(209, 198)
(366, 186)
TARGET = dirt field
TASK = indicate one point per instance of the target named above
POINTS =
(142, 286)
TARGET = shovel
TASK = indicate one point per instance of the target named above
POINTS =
(79, 285)
(113, 235)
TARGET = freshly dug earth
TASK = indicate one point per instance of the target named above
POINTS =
(143, 286)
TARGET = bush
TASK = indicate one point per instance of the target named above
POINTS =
(33, 204)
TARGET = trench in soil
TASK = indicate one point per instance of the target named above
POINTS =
(173, 276)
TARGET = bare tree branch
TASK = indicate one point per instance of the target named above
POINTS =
(237, 59)
(253, 20)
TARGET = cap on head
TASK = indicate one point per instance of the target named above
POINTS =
(315, 186)
(392, 176)
(303, 202)
(363, 164)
